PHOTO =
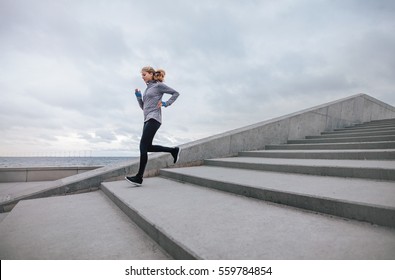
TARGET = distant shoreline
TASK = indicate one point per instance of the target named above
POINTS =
(31, 162)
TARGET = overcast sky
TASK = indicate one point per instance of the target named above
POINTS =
(68, 69)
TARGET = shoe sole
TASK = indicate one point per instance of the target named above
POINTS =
(134, 183)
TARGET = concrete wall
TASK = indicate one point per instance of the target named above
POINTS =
(351, 110)
(355, 109)
(34, 174)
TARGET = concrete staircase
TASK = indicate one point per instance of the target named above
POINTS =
(325, 197)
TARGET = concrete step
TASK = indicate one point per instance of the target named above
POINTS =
(84, 226)
(370, 169)
(377, 122)
(344, 134)
(383, 120)
(386, 124)
(364, 132)
(363, 200)
(344, 140)
(334, 146)
(201, 223)
(375, 154)
(366, 128)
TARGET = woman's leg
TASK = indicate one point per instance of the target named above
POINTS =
(173, 151)
(149, 131)
(150, 128)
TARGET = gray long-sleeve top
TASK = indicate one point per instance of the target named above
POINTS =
(151, 97)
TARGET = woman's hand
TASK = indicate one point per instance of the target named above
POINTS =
(137, 92)
(161, 104)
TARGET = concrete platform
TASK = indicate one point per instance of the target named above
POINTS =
(12, 190)
(364, 200)
(210, 224)
(83, 226)
(316, 162)
(371, 192)
(374, 154)
(342, 134)
(366, 127)
(373, 169)
(334, 146)
(344, 139)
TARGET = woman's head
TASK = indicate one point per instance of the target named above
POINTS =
(148, 74)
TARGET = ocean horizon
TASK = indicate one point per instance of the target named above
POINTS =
(28, 162)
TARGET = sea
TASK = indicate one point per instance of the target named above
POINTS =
(26, 162)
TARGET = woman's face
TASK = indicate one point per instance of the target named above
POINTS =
(146, 76)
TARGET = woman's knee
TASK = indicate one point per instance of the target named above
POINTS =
(143, 148)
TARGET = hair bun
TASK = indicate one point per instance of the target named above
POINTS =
(159, 75)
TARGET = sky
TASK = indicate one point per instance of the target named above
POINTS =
(68, 68)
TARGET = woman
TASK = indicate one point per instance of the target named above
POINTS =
(151, 103)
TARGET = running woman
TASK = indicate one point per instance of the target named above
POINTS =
(151, 103)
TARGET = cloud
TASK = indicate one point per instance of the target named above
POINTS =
(69, 68)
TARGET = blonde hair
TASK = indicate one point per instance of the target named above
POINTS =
(158, 75)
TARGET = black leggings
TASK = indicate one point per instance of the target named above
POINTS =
(150, 128)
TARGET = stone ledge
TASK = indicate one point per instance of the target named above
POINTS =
(34, 174)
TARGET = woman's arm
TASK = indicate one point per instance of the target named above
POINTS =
(174, 94)
(139, 97)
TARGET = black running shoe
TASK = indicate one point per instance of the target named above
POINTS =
(137, 180)
(176, 154)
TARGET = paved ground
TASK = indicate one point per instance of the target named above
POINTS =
(83, 226)
(11, 190)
